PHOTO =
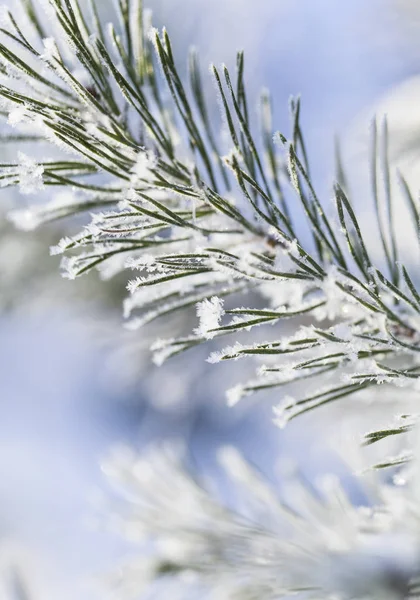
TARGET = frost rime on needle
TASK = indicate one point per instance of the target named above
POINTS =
(30, 174)
(209, 311)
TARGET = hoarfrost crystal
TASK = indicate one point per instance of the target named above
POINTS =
(30, 174)
(209, 311)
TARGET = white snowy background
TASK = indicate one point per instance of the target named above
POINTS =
(61, 410)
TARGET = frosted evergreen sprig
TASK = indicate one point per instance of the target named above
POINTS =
(311, 541)
(199, 219)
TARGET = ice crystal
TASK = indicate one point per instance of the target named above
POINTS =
(233, 395)
(283, 411)
(17, 115)
(30, 175)
(209, 311)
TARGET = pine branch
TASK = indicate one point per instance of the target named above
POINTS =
(311, 541)
(142, 146)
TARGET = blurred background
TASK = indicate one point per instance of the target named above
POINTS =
(73, 382)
